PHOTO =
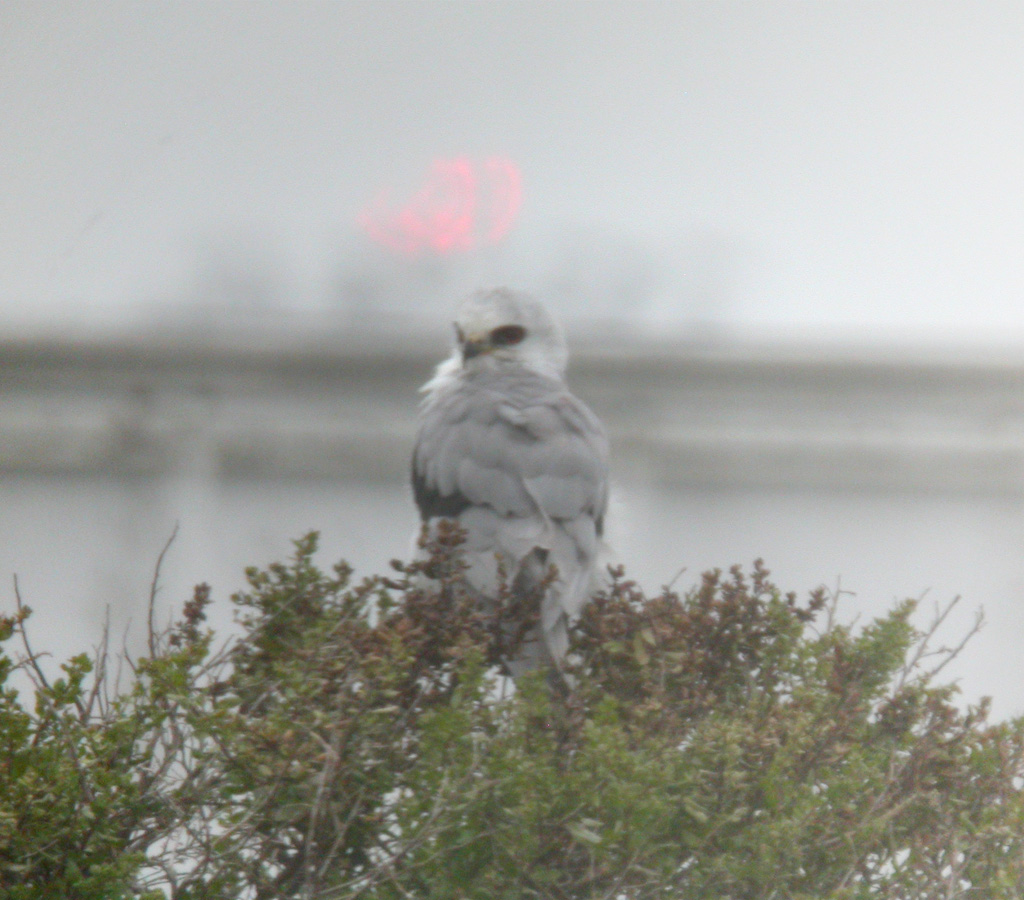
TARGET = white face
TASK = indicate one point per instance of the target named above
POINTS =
(505, 325)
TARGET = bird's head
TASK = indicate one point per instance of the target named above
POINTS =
(508, 326)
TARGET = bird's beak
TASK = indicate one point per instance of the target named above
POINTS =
(474, 347)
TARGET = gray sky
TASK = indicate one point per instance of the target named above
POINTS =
(805, 167)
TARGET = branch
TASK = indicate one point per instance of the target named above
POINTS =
(153, 589)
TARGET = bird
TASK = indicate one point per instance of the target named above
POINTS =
(521, 464)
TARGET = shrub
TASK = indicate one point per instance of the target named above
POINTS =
(355, 739)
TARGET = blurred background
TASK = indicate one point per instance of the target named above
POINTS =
(784, 237)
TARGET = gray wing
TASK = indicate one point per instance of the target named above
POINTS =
(518, 444)
(523, 465)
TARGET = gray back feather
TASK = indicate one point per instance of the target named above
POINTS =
(523, 465)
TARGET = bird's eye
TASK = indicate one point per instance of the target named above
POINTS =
(507, 335)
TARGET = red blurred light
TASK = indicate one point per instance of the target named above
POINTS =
(462, 205)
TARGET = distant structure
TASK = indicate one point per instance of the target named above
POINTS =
(678, 414)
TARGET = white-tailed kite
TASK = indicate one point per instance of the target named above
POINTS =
(508, 452)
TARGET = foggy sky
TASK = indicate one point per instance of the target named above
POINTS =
(807, 167)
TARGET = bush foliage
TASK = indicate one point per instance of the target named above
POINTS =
(356, 740)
